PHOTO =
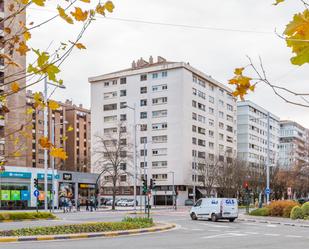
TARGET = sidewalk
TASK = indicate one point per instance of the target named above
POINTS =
(273, 220)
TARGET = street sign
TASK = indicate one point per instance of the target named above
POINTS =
(267, 191)
(36, 193)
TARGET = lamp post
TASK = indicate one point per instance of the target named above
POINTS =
(174, 199)
(134, 157)
(53, 125)
(46, 135)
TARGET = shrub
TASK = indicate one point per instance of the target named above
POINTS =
(305, 208)
(26, 215)
(287, 211)
(82, 228)
(138, 220)
(297, 213)
(260, 212)
(276, 208)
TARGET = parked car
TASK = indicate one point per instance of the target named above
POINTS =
(215, 209)
(121, 202)
(128, 203)
(301, 201)
(189, 202)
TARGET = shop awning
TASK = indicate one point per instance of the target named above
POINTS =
(202, 191)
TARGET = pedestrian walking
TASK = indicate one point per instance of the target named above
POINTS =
(78, 204)
(91, 204)
(87, 205)
(70, 205)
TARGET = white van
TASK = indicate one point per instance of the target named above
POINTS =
(215, 209)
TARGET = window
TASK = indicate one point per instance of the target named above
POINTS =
(159, 88)
(211, 145)
(110, 107)
(221, 91)
(123, 117)
(143, 152)
(201, 130)
(211, 133)
(143, 140)
(201, 142)
(123, 105)
(211, 87)
(143, 102)
(110, 130)
(201, 94)
(221, 136)
(229, 107)
(123, 178)
(114, 82)
(123, 93)
(202, 119)
(211, 122)
(194, 91)
(193, 103)
(164, 74)
(155, 75)
(143, 115)
(160, 177)
(221, 114)
(143, 164)
(229, 139)
(106, 83)
(221, 147)
(221, 103)
(229, 118)
(211, 110)
(143, 89)
(159, 126)
(159, 164)
(229, 128)
(221, 125)
(159, 152)
(201, 106)
(143, 77)
(160, 113)
(159, 139)
(193, 128)
(110, 95)
(194, 140)
(143, 127)
(198, 203)
(211, 99)
(123, 81)
(159, 101)
(110, 118)
(194, 116)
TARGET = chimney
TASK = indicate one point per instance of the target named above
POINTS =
(141, 62)
(151, 60)
(161, 59)
(80, 105)
(68, 102)
(133, 64)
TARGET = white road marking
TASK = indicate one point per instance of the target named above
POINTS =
(225, 235)
(271, 225)
(197, 229)
(272, 234)
(215, 226)
(213, 230)
(253, 233)
(293, 236)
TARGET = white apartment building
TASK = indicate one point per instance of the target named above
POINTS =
(181, 113)
(252, 134)
(293, 147)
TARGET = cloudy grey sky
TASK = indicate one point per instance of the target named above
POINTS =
(113, 44)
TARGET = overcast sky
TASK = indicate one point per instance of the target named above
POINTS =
(113, 44)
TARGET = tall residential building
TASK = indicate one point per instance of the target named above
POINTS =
(181, 114)
(252, 134)
(15, 118)
(76, 142)
(293, 147)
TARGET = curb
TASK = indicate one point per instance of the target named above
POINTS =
(164, 227)
(22, 220)
(274, 222)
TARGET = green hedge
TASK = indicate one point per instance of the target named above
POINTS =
(26, 215)
(297, 213)
(260, 212)
(305, 208)
(126, 224)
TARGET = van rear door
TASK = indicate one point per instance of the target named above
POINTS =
(229, 208)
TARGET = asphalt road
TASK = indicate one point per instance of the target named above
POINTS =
(188, 234)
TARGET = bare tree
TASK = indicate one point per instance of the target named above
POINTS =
(208, 172)
(113, 153)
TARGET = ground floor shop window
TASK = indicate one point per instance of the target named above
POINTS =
(14, 196)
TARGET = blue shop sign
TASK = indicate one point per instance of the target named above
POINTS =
(49, 176)
(25, 195)
(8, 174)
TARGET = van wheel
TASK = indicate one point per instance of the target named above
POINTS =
(214, 218)
(193, 216)
(232, 219)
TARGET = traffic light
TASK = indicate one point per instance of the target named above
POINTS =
(36, 182)
(144, 186)
(152, 183)
(246, 186)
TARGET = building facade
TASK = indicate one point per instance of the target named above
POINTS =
(293, 147)
(252, 134)
(181, 114)
(76, 141)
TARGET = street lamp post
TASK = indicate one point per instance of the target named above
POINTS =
(173, 182)
(53, 125)
(194, 184)
(46, 135)
(134, 157)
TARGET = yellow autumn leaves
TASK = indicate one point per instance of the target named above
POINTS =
(242, 83)
(54, 152)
